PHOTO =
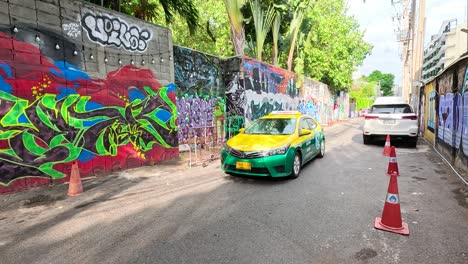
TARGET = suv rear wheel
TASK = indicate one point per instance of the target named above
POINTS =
(367, 139)
(413, 142)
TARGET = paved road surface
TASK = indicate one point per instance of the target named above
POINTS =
(201, 215)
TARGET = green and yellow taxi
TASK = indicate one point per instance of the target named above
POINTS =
(275, 145)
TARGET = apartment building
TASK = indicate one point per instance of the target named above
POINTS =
(444, 48)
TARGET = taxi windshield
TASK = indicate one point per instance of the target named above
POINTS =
(272, 126)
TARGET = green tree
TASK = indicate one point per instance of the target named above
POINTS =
(294, 29)
(213, 35)
(262, 22)
(363, 92)
(385, 81)
(334, 47)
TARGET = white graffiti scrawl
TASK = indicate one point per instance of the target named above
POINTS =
(73, 30)
(108, 30)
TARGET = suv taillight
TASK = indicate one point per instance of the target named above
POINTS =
(371, 117)
(412, 117)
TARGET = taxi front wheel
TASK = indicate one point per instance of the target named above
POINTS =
(322, 149)
(296, 166)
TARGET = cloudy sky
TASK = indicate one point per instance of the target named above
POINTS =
(375, 17)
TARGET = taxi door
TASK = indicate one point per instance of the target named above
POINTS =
(316, 136)
(307, 145)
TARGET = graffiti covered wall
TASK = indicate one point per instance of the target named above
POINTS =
(236, 98)
(267, 88)
(320, 102)
(446, 113)
(80, 84)
(200, 94)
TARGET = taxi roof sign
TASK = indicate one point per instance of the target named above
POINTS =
(285, 113)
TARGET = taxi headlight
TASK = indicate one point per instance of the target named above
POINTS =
(276, 151)
(227, 148)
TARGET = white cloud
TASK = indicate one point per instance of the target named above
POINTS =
(375, 17)
(439, 11)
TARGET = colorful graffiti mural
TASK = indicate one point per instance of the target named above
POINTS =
(196, 74)
(310, 107)
(264, 103)
(236, 101)
(320, 103)
(52, 113)
(200, 96)
(233, 124)
(261, 77)
(267, 89)
(446, 118)
(444, 111)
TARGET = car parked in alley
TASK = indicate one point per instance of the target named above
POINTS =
(276, 145)
(391, 115)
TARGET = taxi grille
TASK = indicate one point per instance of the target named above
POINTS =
(245, 155)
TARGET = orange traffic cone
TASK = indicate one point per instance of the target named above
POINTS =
(391, 215)
(386, 149)
(392, 163)
(75, 187)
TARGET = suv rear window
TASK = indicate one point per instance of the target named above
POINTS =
(391, 109)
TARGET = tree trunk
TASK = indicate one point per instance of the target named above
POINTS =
(238, 39)
(291, 50)
(275, 55)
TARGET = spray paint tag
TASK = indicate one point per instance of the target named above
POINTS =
(392, 198)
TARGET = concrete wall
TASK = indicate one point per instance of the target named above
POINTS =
(320, 102)
(81, 83)
(447, 97)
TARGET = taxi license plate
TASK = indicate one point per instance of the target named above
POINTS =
(389, 122)
(243, 165)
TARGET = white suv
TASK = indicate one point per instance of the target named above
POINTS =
(392, 116)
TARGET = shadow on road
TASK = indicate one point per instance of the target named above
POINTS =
(261, 180)
(398, 143)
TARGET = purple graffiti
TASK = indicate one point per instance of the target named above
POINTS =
(196, 116)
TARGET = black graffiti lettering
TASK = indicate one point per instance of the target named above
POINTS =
(107, 30)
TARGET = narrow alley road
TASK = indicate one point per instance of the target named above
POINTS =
(200, 215)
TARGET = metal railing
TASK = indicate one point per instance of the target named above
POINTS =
(206, 143)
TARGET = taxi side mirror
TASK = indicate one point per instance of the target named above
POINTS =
(241, 130)
(305, 132)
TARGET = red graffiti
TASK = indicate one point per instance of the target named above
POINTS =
(28, 74)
